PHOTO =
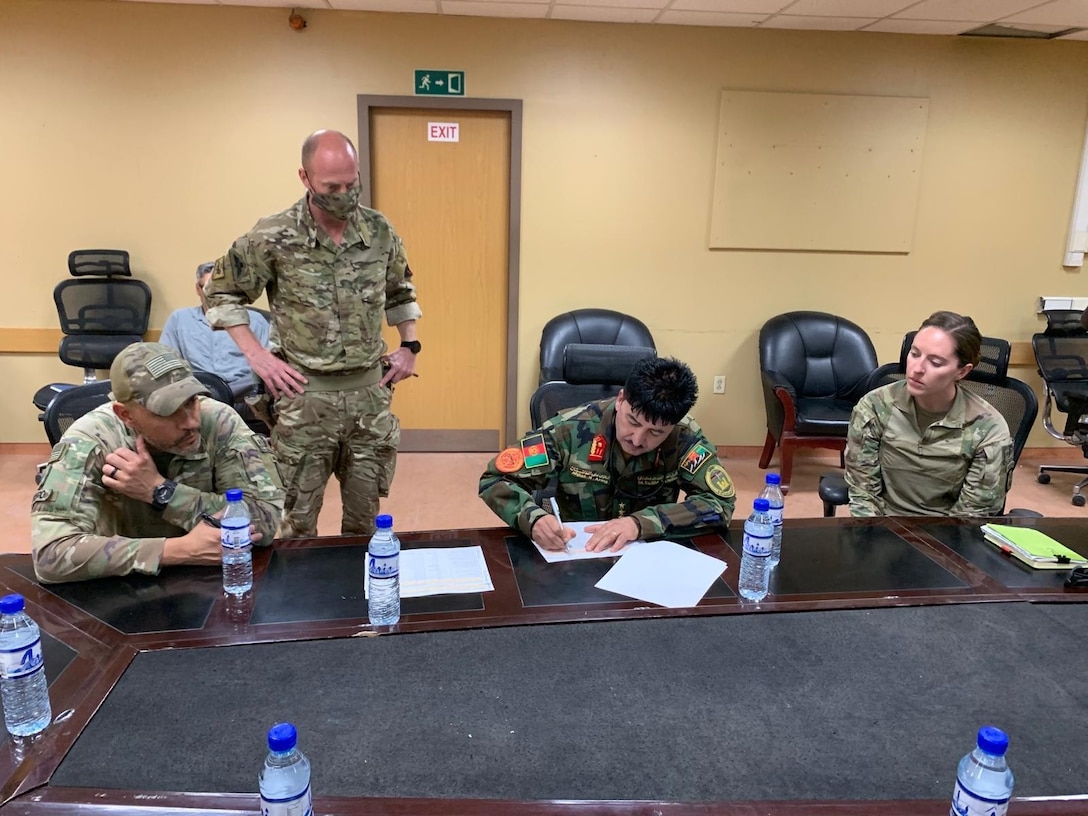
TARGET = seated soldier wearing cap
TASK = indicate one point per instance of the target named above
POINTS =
(621, 461)
(125, 488)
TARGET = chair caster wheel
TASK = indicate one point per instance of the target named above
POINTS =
(1078, 500)
(1043, 478)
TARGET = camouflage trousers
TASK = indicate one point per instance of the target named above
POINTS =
(352, 434)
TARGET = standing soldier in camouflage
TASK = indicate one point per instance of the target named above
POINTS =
(924, 446)
(331, 268)
(621, 461)
(126, 486)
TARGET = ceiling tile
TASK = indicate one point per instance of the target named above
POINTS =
(409, 6)
(709, 18)
(897, 26)
(817, 23)
(603, 15)
(490, 8)
(731, 6)
(847, 8)
(630, 4)
(982, 11)
(1065, 13)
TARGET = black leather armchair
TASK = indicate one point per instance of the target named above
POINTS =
(814, 368)
(601, 327)
(590, 372)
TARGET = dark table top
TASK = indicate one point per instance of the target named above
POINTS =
(101, 637)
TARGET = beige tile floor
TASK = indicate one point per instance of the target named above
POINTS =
(437, 491)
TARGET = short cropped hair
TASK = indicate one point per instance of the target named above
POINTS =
(963, 331)
(662, 389)
(204, 269)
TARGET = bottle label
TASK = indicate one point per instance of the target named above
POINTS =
(383, 566)
(965, 803)
(300, 805)
(776, 516)
(234, 538)
(757, 545)
(22, 661)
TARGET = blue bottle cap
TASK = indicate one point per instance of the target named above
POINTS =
(10, 604)
(282, 737)
(384, 522)
(774, 478)
(991, 740)
(234, 494)
(761, 505)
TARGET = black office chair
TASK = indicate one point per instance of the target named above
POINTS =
(814, 367)
(602, 327)
(101, 311)
(1061, 353)
(72, 403)
(589, 372)
(1014, 400)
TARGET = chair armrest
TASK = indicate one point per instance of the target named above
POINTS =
(773, 381)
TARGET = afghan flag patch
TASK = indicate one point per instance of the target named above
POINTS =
(534, 451)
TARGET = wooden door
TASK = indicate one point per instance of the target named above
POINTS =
(450, 202)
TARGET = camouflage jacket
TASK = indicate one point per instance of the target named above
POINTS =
(596, 482)
(961, 465)
(80, 529)
(326, 299)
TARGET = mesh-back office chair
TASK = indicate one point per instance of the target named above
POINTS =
(814, 368)
(101, 309)
(602, 327)
(1014, 399)
(589, 372)
(72, 403)
(1061, 353)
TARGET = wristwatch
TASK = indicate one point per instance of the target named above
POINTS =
(162, 494)
(412, 345)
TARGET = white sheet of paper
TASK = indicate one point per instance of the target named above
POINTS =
(663, 573)
(442, 571)
(576, 547)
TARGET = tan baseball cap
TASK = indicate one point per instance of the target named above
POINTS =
(154, 376)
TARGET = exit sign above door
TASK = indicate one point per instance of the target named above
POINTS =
(434, 82)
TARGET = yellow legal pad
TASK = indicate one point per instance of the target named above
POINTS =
(1034, 548)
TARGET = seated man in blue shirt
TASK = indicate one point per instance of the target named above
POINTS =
(188, 332)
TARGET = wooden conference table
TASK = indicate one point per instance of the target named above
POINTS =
(853, 689)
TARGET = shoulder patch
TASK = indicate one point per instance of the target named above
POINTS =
(597, 448)
(42, 496)
(58, 451)
(260, 441)
(509, 461)
(719, 482)
(534, 451)
(695, 457)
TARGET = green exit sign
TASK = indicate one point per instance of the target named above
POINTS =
(440, 83)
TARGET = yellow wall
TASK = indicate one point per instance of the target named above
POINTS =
(168, 130)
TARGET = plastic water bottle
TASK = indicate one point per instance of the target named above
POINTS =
(383, 571)
(22, 670)
(983, 779)
(755, 571)
(237, 548)
(285, 778)
(773, 494)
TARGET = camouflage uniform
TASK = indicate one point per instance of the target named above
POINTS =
(960, 465)
(327, 302)
(597, 483)
(81, 529)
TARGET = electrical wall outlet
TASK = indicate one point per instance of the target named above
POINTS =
(719, 384)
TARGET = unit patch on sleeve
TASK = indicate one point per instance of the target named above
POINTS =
(694, 458)
(719, 482)
(534, 451)
(509, 461)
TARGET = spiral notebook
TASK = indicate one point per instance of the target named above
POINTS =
(1034, 547)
